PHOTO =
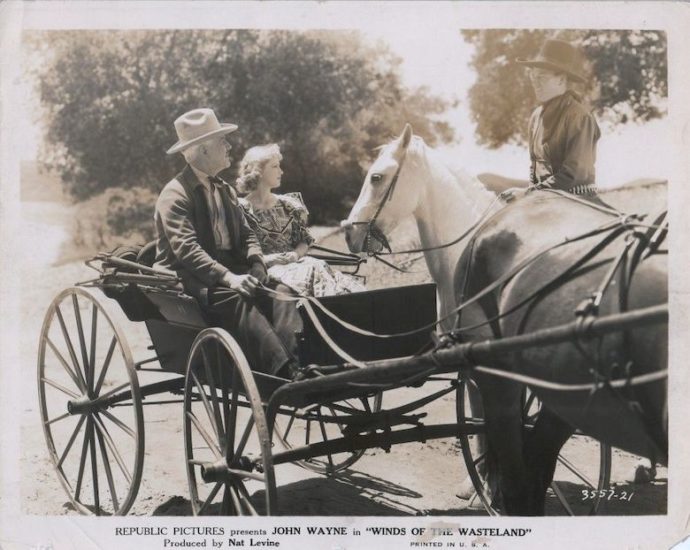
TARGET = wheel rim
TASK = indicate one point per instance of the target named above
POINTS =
(227, 445)
(96, 446)
(472, 453)
(319, 422)
(569, 478)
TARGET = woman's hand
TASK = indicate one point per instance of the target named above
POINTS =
(281, 258)
(302, 249)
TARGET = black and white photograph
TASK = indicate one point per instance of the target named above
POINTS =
(392, 274)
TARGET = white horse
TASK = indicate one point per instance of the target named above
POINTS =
(409, 178)
(444, 202)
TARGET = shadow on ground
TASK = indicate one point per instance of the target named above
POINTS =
(350, 494)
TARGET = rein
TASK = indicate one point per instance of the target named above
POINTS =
(616, 226)
(507, 196)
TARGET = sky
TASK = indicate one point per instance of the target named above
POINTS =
(439, 58)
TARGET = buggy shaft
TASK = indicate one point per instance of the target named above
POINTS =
(466, 355)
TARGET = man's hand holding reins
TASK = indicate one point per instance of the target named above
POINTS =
(245, 285)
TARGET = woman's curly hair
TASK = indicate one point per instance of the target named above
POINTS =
(252, 165)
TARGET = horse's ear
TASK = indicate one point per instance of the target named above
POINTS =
(406, 136)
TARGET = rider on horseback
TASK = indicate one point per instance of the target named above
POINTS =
(563, 134)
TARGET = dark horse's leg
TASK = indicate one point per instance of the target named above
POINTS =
(542, 445)
(502, 412)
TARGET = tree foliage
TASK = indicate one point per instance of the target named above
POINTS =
(627, 70)
(109, 100)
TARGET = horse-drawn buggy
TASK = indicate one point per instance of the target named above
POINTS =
(239, 423)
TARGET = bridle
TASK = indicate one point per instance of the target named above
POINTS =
(372, 230)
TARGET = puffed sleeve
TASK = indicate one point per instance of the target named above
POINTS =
(300, 219)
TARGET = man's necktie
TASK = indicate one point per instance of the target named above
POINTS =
(216, 203)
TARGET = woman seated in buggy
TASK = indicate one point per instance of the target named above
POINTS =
(280, 224)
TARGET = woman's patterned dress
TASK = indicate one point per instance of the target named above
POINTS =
(279, 230)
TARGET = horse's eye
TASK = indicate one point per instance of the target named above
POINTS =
(376, 178)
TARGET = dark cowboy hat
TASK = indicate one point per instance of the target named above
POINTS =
(559, 56)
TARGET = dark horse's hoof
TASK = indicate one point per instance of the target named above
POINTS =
(644, 472)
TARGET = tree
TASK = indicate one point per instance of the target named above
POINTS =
(628, 77)
(109, 100)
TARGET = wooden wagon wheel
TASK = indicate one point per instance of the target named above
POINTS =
(318, 422)
(90, 403)
(567, 470)
(227, 442)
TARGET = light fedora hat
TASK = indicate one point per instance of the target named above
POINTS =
(196, 126)
(559, 56)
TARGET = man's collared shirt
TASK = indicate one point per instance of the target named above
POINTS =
(216, 210)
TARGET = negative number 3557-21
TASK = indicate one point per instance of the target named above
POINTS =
(608, 494)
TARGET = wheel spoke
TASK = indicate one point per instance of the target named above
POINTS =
(214, 391)
(63, 362)
(325, 438)
(244, 495)
(94, 470)
(207, 405)
(225, 505)
(108, 472)
(335, 415)
(289, 425)
(70, 347)
(246, 474)
(112, 392)
(230, 487)
(479, 459)
(230, 413)
(60, 387)
(57, 419)
(111, 445)
(205, 435)
(119, 423)
(244, 439)
(232, 421)
(71, 441)
(574, 470)
(106, 364)
(82, 342)
(210, 497)
(561, 498)
(92, 354)
(82, 460)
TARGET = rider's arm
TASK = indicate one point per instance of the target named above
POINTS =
(581, 135)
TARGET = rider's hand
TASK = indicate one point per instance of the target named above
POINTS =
(245, 285)
(302, 249)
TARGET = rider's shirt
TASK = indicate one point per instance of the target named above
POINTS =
(563, 136)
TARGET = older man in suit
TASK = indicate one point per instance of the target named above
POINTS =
(203, 236)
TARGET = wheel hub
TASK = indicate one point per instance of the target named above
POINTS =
(82, 405)
(213, 472)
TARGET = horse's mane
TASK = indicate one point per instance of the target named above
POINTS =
(440, 168)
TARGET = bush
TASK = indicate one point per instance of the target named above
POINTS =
(115, 217)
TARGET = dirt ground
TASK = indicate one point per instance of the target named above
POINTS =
(411, 479)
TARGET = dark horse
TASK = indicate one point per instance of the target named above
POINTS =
(548, 259)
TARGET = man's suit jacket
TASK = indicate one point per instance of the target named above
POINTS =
(185, 242)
